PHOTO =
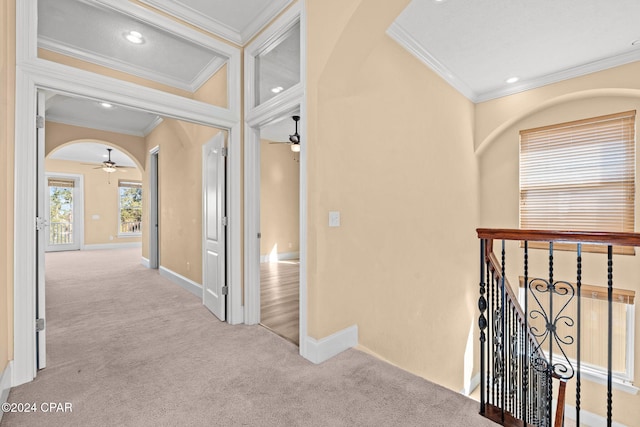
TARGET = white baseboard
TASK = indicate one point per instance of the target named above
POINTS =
(5, 385)
(279, 257)
(145, 262)
(317, 351)
(588, 418)
(182, 281)
(473, 384)
(103, 246)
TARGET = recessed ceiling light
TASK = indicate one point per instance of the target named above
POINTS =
(277, 89)
(134, 37)
(512, 80)
(106, 105)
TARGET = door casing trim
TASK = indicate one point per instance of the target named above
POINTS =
(33, 73)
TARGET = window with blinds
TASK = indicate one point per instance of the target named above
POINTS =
(579, 176)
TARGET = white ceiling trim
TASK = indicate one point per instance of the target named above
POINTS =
(569, 73)
(265, 17)
(193, 17)
(187, 14)
(85, 55)
(87, 124)
(225, 50)
(154, 124)
(408, 42)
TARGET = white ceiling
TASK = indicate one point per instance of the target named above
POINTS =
(91, 152)
(91, 114)
(279, 130)
(477, 45)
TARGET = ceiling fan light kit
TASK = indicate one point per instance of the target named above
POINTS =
(109, 166)
(294, 140)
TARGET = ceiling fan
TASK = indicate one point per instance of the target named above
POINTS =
(109, 165)
(294, 140)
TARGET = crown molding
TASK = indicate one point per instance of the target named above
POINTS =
(86, 124)
(89, 124)
(408, 42)
(398, 33)
(213, 26)
(566, 74)
(109, 62)
(154, 124)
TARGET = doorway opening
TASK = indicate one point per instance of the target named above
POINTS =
(280, 227)
(114, 197)
(154, 223)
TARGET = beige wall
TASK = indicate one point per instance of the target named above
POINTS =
(100, 198)
(180, 195)
(279, 199)
(390, 146)
(7, 119)
(610, 91)
(58, 135)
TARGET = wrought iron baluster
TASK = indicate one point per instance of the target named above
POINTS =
(504, 329)
(527, 349)
(489, 336)
(610, 332)
(482, 323)
(578, 333)
(549, 327)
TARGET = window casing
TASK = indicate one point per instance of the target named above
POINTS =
(579, 176)
(130, 208)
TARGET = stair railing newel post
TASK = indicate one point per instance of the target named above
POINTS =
(482, 324)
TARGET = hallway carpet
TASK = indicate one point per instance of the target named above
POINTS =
(127, 347)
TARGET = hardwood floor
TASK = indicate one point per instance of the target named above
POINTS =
(279, 298)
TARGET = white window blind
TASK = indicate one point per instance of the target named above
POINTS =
(580, 175)
(60, 182)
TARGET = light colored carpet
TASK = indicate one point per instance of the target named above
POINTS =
(129, 348)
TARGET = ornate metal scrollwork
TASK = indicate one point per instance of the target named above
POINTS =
(498, 344)
(560, 366)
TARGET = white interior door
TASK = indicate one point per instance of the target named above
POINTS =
(42, 232)
(214, 226)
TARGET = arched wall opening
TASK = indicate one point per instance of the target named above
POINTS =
(104, 218)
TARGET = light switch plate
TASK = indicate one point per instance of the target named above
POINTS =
(334, 219)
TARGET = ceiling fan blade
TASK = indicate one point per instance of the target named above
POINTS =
(280, 142)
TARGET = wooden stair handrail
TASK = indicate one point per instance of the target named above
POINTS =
(561, 397)
(592, 237)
